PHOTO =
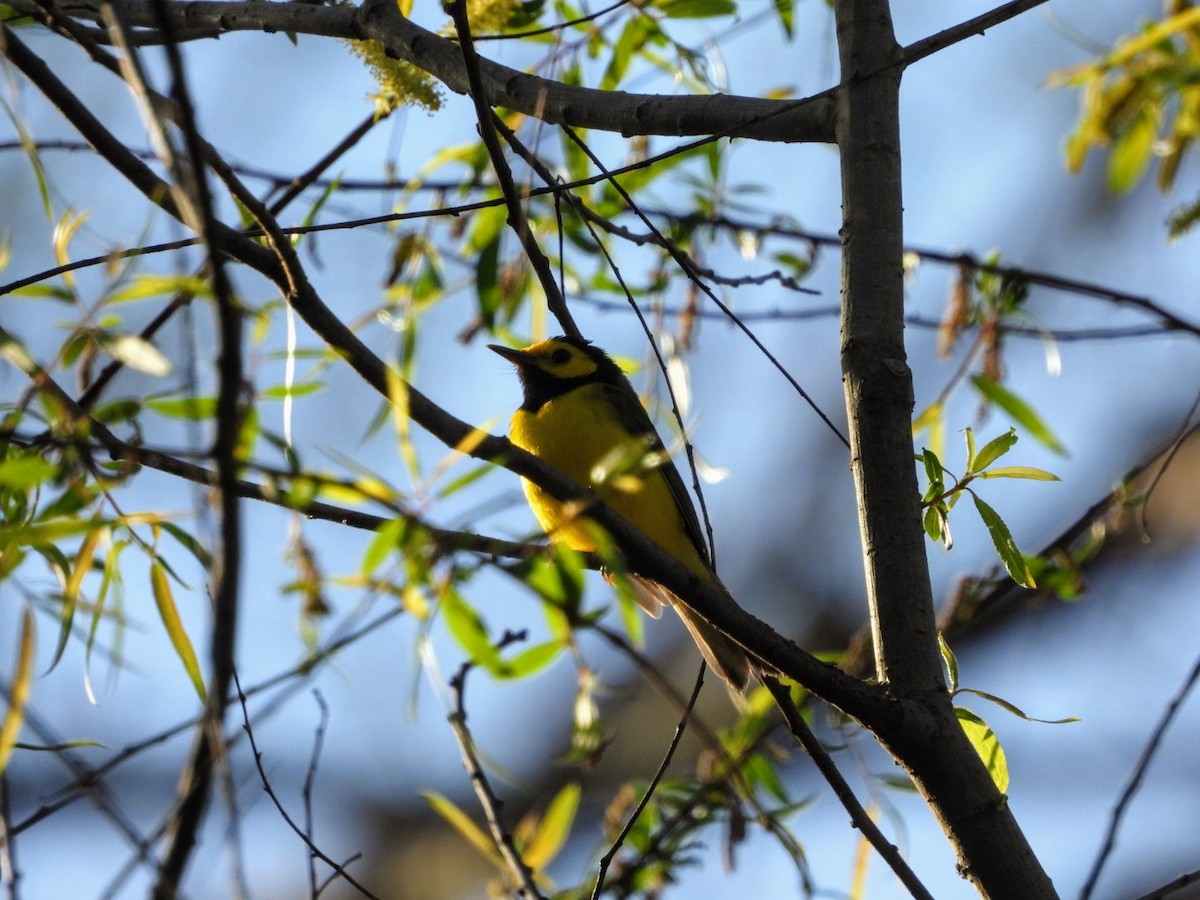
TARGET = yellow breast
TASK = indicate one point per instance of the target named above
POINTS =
(575, 431)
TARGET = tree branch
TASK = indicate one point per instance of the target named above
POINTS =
(806, 119)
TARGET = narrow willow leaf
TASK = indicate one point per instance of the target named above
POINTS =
(554, 828)
(1013, 561)
(143, 287)
(1021, 411)
(1017, 711)
(83, 565)
(169, 613)
(112, 575)
(1027, 472)
(22, 685)
(993, 450)
(951, 662)
(191, 408)
(462, 823)
(986, 744)
(970, 436)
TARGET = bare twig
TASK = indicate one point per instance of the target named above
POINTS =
(685, 263)
(829, 771)
(517, 219)
(615, 848)
(491, 804)
(1135, 779)
(301, 833)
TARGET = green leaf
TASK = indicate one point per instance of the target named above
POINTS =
(1013, 561)
(281, 391)
(970, 436)
(951, 662)
(986, 744)
(190, 408)
(1132, 151)
(386, 539)
(992, 451)
(531, 661)
(1015, 710)
(470, 631)
(632, 38)
(553, 829)
(1020, 411)
(169, 613)
(786, 10)
(1027, 472)
(143, 287)
(21, 472)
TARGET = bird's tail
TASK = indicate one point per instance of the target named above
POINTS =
(723, 655)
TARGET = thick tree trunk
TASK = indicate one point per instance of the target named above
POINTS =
(926, 739)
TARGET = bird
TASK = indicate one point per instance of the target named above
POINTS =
(582, 416)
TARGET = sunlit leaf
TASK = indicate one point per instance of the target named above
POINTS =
(462, 823)
(18, 693)
(951, 662)
(169, 613)
(143, 287)
(1132, 152)
(986, 744)
(1013, 561)
(554, 828)
(83, 565)
(1021, 411)
(1027, 472)
(1015, 710)
(992, 450)
(192, 408)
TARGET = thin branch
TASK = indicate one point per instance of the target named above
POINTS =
(491, 804)
(517, 218)
(841, 788)
(685, 263)
(1135, 779)
(918, 50)
(805, 119)
(1173, 887)
(209, 748)
(317, 852)
(611, 854)
(310, 778)
(557, 26)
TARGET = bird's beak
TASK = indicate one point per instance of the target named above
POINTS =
(516, 357)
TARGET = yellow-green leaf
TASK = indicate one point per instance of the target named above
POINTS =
(461, 822)
(986, 744)
(165, 600)
(553, 829)
(1131, 153)
(1028, 472)
(22, 684)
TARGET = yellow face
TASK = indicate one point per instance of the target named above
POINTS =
(559, 359)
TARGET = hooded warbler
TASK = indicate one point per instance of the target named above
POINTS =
(582, 415)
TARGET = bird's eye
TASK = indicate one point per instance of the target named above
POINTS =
(558, 357)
